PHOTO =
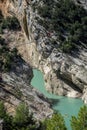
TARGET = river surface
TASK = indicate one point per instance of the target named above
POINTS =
(65, 105)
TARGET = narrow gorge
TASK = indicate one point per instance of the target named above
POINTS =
(65, 74)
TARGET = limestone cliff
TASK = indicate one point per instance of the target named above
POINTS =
(15, 84)
(64, 74)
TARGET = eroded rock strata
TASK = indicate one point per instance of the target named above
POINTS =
(64, 74)
(15, 84)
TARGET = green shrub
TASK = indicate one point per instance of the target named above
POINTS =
(1, 30)
(2, 41)
(67, 46)
(56, 122)
(2, 110)
(6, 118)
(66, 19)
(23, 119)
(7, 56)
(80, 122)
(11, 23)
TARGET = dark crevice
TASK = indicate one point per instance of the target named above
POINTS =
(70, 83)
(8, 91)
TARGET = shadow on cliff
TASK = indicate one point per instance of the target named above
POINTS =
(53, 102)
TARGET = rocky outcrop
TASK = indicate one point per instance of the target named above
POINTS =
(15, 85)
(64, 74)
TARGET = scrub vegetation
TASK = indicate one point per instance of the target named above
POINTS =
(10, 23)
(80, 122)
(67, 20)
(24, 120)
(7, 56)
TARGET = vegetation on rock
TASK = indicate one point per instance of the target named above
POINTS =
(24, 120)
(80, 122)
(7, 56)
(67, 20)
(10, 23)
(56, 122)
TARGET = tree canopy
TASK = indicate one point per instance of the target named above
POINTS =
(56, 122)
(80, 122)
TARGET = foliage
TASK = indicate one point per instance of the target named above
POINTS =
(2, 40)
(22, 114)
(54, 123)
(1, 19)
(8, 125)
(80, 122)
(67, 20)
(2, 110)
(22, 120)
(67, 46)
(7, 56)
(6, 118)
(10, 23)
(1, 16)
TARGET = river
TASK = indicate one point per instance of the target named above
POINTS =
(65, 105)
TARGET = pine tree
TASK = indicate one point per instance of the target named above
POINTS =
(80, 122)
(2, 110)
(24, 119)
(54, 123)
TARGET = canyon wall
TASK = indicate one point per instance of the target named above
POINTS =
(64, 74)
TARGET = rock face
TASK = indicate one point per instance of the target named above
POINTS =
(15, 85)
(14, 88)
(64, 74)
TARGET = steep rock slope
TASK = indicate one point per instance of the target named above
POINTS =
(64, 74)
(15, 89)
(15, 81)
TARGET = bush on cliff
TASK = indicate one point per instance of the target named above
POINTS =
(7, 56)
(67, 19)
(23, 120)
(7, 120)
(56, 122)
(80, 122)
(10, 23)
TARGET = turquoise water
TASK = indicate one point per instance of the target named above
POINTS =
(66, 106)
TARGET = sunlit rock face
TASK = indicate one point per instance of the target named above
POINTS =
(64, 74)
